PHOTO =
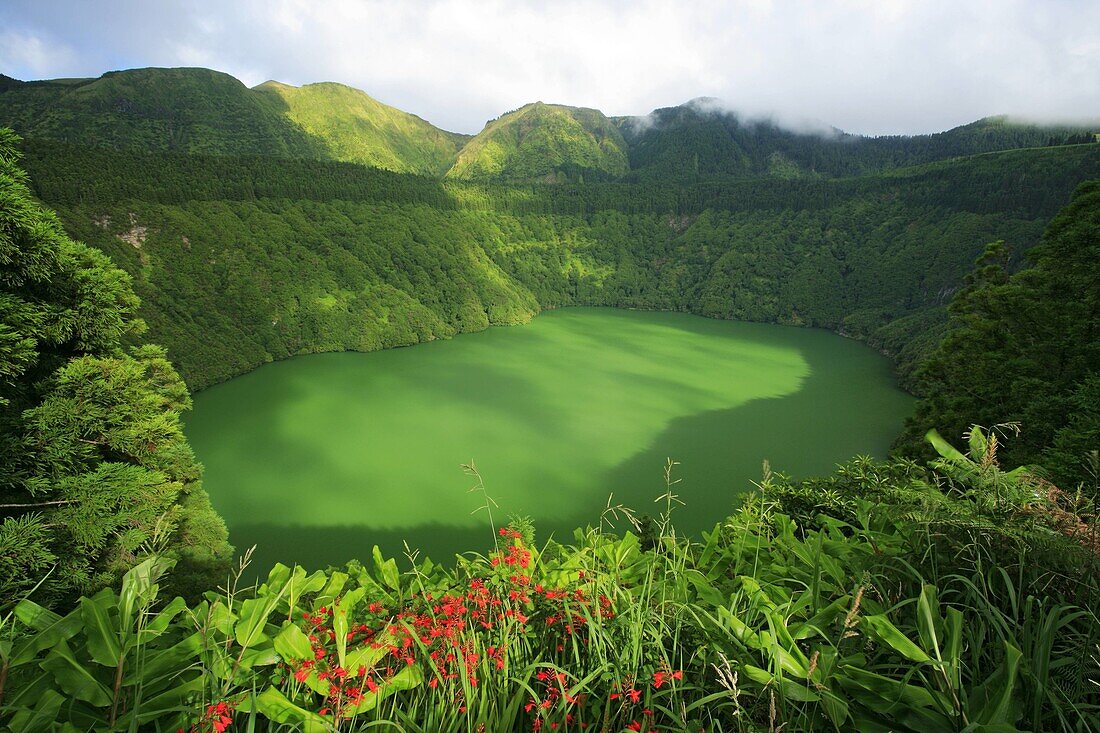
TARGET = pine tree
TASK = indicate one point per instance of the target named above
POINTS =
(94, 467)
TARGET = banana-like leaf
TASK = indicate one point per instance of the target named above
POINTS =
(51, 629)
(945, 449)
(365, 657)
(74, 678)
(99, 629)
(278, 708)
(340, 610)
(406, 679)
(160, 623)
(999, 705)
(40, 718)
(789, 688)
(176, 699)
(139, 588)
(880, 629)
(249, 629)
(292, 644)
(386, 569)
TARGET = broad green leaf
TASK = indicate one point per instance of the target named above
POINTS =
(340, 610)
(278, 708)
(406, 679)
(160, 623)
(139, 588)
(40, 718)
(176, 699)
(997, 694)
(51, 630)
(249, 629)
(891, 690)
(74, 678)
(99, 630)
(929, 621)
(35, 616)
(366, 656)
(386, 569)
(880, 628)
(790, 689)
(945, 449)
(292, 644)
(332, 590)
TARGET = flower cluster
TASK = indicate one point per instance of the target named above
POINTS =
(631, 697)
(555, 694)
(216, 719)
(346, 688)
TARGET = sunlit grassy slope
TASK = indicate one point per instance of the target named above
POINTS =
(356, 128)
(546, 142)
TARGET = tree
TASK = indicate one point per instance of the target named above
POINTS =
(94, 467)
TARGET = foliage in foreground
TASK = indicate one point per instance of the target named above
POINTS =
(950, 598)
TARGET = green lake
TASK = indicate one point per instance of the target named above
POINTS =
(317, 458)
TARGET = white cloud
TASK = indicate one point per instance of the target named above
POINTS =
(29, 51)
(873, 66)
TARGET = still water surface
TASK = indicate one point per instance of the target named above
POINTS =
(317, 458)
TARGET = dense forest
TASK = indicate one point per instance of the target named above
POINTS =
(95, 468)
(203, 228)
(239, 261)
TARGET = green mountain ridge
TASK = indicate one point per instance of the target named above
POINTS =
(194, 110)
(544, 142)
(356, 128)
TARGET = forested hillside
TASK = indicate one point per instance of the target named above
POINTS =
(194, 110)
(203, 111)
(244, 260)
(1025, 349)
(94, 468)
(702, 139)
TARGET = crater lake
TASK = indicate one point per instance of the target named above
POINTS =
(317, 458)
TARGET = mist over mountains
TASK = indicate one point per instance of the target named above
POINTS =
(196, 110)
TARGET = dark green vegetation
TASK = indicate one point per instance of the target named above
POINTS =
(94, 468)
(890, 596)
(203, 111)
(701, 140)
(1025, 348)
(316, 459)
(240, 261)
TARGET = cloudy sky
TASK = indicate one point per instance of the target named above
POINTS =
(868, 66)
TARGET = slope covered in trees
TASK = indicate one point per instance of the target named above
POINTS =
(1025, 348)
(243, 260)
(94, 468)
(702, 139)
(203, 111)
(356, 128)
(207, 112)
